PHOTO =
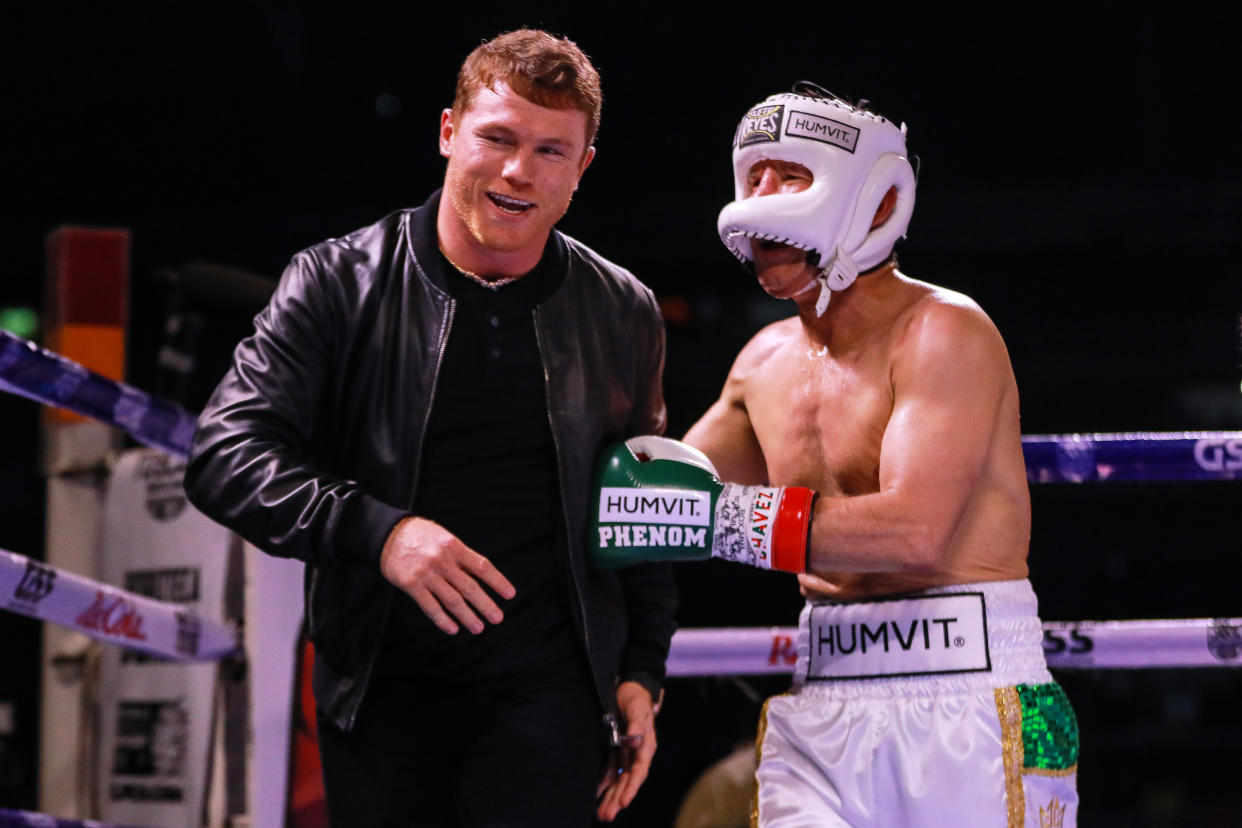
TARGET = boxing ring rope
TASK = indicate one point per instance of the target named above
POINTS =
(164, 629)
(114, 615)
(1129, 645)
(127, 619)
(1138, 457)
(49, 378)
(28, 819)
(110, 614)
(46, 377)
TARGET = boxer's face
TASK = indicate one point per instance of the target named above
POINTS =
(782, 270)
(512, 167)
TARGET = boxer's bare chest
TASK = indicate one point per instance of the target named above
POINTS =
(820, 417)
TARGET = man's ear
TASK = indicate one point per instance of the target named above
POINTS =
(885, 210)
(587, 158)
(446, 133)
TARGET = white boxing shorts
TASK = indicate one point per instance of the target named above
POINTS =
(932, 709)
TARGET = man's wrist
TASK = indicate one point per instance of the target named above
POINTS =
(650, 684)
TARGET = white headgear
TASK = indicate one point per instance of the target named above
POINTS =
(854, 157)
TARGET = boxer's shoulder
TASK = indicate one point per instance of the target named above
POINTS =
(935, 318)
(768, 344)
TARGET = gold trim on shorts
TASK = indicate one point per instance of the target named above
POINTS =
(1070, 771)
(763, 731)
(1009, 711)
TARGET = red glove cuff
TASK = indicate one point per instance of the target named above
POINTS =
(792, 529)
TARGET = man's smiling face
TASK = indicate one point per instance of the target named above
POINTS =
(513, 166)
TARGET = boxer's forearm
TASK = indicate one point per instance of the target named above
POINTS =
(882, 532)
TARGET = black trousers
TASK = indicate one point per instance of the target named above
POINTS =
(523, 751)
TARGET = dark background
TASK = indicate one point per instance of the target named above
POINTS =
(1079, 179)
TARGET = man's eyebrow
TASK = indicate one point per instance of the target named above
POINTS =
(508, 131)
(494, 126)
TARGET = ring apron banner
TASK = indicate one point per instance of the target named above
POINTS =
(156, 714)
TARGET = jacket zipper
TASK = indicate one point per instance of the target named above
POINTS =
(573, 569)
(446, 325)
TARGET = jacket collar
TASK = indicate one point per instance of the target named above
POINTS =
(535, 287)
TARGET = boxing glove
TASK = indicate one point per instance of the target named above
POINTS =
(657, 499)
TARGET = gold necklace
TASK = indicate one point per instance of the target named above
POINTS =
(490, 284)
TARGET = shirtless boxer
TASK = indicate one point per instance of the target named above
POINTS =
(921, 694)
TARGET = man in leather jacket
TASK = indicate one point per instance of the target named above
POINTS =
(416, 416)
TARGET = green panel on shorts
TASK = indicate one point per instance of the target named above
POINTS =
(1049, 728)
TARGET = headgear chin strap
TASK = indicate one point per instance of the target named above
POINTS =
(854, 156)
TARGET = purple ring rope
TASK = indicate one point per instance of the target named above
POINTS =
(49, 378)
(46, 377)
(1068, 645)
(28, 819)
(1147, 456)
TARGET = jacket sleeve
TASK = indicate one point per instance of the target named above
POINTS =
(649, 415)
(650, 591)
(252, 466)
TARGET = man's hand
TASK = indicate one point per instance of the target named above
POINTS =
(442, 575)
(627, 770)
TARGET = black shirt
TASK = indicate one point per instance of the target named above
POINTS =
(488, 475)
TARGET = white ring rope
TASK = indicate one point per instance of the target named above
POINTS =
(111, 614)
(169, 630)
(1193, 642)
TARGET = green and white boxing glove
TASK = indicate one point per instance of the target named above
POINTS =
(658, 499)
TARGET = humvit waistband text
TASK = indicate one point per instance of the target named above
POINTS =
(899, 637)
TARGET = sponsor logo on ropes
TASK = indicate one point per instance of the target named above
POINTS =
(37, 583)
(1225, 639)
(824, 130)
(668, 517)
(113, 615)
(1076, 459)
(63, 380)
(783, 651)
(178, 585)
(1067, 642)
(189, 631)
(1217, 455)
(899, 637)
(761, 125)
(130, 408)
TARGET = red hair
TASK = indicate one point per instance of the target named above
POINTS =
(546, 70)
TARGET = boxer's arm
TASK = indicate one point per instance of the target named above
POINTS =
(725, 434)
(950, 375)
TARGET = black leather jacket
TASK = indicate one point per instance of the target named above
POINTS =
(310, 446)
